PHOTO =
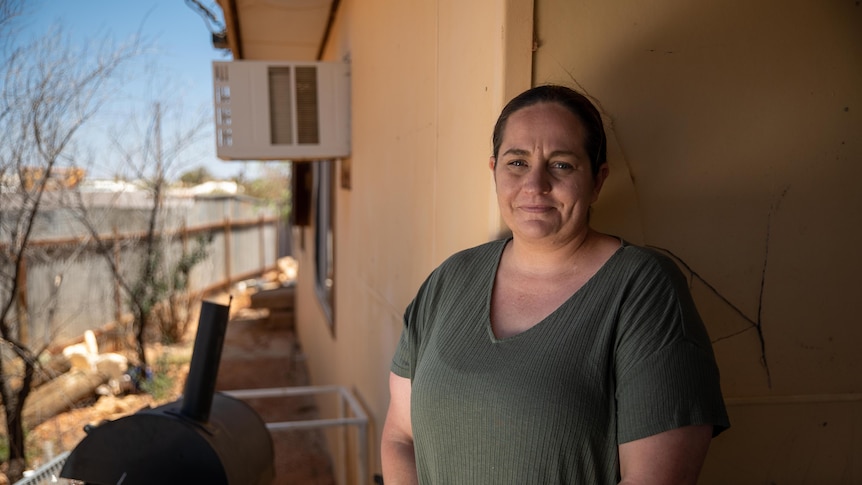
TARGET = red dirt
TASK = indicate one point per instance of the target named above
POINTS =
(264, 353)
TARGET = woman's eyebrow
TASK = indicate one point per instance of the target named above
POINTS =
(563, 153)
(519, 152)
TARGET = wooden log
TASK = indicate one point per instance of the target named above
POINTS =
(53, 367)
(277, 298)
(60, 395)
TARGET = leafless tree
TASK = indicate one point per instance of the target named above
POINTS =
(48, 92)
(153, 162)
(9, 12)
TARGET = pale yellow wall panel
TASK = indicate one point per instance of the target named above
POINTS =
(737, 124)
(427, 81)
(800, 443)
(465, 83)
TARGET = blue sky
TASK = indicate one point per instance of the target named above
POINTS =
(181, 54)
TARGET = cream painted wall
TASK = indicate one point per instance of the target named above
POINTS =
(735, 144)
(427, 81)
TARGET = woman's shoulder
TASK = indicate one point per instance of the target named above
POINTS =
(652, 263)
(650, 255)
(485, 253)
(463, 268)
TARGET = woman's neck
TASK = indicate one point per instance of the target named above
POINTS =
(549, 259)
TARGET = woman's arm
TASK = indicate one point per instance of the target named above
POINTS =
(673, 457)
(396, 449)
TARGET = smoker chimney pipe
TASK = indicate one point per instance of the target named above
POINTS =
(203, 370)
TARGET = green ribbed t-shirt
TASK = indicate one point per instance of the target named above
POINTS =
(626, 357)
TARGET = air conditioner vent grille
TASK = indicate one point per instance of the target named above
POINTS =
(308, 125)
(280, 106)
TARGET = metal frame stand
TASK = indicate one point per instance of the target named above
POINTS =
(358, 419)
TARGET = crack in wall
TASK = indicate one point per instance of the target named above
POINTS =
(754, 324)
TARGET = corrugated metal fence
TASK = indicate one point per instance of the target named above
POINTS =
(68, 285)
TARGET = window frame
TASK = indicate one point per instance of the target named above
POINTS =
(324, 238)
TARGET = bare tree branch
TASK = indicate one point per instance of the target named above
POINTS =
(48, 93)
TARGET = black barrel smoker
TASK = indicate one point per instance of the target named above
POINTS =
(203, 438)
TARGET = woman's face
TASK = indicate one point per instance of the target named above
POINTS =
(543, 177)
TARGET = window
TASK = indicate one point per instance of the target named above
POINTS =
(323, 239)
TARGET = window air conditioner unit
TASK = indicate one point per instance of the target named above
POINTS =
(274, 110)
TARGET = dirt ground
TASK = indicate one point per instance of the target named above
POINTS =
(264, 353)
(260, 351)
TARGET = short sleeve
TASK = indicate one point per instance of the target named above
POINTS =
(674, 387)
(402, 360)
(667, 376)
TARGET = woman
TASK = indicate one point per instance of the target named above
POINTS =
(561, 354)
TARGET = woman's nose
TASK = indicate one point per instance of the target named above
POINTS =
(538, 180)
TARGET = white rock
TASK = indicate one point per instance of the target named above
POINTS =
(79, 357)
(112, 365)
(90, 342)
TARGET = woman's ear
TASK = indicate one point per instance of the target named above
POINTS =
(599, 180)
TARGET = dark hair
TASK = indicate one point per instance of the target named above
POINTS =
(578, 104)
